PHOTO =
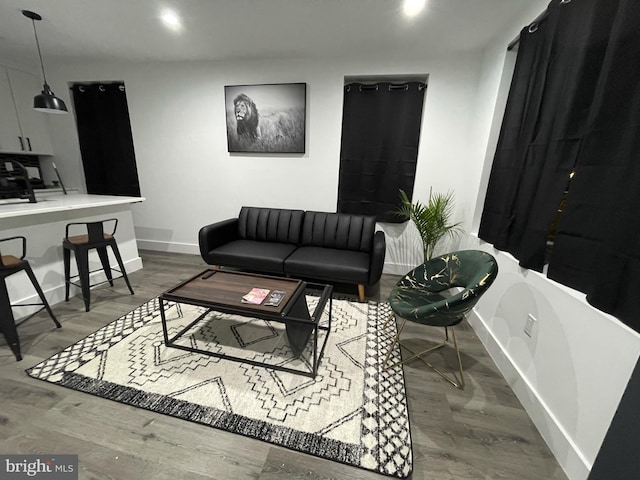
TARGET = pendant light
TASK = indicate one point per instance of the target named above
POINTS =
(45, 102)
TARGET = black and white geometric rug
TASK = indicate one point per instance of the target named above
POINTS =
(352, 412)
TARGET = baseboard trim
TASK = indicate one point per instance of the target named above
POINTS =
(171, 247)
(396, 268)
(566, 452)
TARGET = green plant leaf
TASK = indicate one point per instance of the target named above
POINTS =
(433, 220)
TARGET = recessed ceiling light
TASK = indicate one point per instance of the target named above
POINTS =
(412, 8)
(171, 20)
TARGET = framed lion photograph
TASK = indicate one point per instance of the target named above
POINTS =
(269, 118)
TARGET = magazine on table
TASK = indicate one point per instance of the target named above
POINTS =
(256, 296)
(275, 298)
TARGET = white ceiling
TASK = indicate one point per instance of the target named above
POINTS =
(129, 30)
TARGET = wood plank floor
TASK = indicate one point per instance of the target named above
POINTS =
(481, 432)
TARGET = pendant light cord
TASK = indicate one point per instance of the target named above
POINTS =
(46, 101)
(33, 22)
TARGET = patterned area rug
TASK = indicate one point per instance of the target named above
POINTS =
(352, 412)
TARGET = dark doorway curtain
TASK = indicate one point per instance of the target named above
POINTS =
(573, 108)
(106, 143)
(379, 150)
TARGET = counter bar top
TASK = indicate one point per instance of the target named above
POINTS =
(58, 203)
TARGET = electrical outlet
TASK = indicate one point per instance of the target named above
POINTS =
(528, 325)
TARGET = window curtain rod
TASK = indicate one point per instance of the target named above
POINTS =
(390, 86)
(533, 26)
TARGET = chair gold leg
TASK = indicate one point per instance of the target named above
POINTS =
(455, 380)
(392, 316)
(396, 342)
(455, 343)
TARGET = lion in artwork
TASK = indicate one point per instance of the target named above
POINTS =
(247, 116)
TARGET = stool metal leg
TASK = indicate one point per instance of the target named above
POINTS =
(82, 260)
(36, 285)
(116, 252)
(104, 259)
(67, 271)
(7, 322)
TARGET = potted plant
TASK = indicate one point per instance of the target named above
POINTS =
(432, 220)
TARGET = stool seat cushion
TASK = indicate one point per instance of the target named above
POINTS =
(83, 239)
(10, 261)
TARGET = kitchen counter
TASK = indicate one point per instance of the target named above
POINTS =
(43, 224)
(60, 202)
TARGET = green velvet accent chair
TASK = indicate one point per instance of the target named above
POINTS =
(440, 293)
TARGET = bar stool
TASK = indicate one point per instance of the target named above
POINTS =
(10, 264)
(93, 237)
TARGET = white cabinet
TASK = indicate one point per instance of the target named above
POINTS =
(32, 133)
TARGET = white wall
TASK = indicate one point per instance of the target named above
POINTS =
(179, 131)
(569, 375)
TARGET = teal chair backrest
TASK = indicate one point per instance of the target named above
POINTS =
(418, 295)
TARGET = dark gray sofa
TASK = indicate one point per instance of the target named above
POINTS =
(331, 247)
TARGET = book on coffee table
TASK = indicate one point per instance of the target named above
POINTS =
(255, 296)
(275, 298)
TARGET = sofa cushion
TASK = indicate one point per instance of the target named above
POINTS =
(338, 230)
(329, 264)
(270, 224)
(252, 255)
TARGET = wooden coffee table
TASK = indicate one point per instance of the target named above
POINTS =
(222, 291)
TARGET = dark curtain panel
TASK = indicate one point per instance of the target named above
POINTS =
(546, 114)
(510, 189)
(106, 143)
(597, 248)
(574, 106)
(379, 151)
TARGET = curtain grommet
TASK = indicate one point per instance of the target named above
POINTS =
(533, 28)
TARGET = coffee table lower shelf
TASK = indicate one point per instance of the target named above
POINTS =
(301, 327)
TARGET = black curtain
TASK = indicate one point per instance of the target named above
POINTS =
(106, 143)
(597, 249)
(379, 150)
(572, 107)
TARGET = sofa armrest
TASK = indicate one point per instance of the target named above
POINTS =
(377, 257)
(217, 234)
